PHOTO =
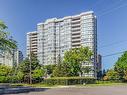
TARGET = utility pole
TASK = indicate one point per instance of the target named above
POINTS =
(30, 63)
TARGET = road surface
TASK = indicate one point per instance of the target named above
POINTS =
(98, 90)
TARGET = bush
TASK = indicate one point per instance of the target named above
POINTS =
(8, 79)
(68, 80)
(3, 79)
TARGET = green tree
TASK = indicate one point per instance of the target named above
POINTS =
(5, 70)
(19, 76)
(76, 57)
(5, 73)
(5, 42)
(121, 65)
(112, 75)
(86, 69)
(61, 70)
(38, 74)
(25, 68)
(49, 69)
(25, 64)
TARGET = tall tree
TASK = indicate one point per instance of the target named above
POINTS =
(5, 42)
(35, 68)
(76, 57)
(112, 75)
(62, 70)
(5, 73)
(49, 69)
(121, 65)
(37, 74)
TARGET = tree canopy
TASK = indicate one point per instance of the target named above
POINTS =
(119, 72)
(36, 69)
(6, 43)
(121, 65)
(71, 65)
(5, 73)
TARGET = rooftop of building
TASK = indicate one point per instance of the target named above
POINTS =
(66, 17)
(32, 32)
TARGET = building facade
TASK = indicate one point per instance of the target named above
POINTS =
(6, 58)
(18, 57)
(32, 40)
(99, 63)
(11, 58)
(55, 36)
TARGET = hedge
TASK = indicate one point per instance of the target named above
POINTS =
(106, 82)
(68, 80)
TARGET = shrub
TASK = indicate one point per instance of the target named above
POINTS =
(2, 79)
(68, 80)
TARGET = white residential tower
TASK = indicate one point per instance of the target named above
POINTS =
(55, 36)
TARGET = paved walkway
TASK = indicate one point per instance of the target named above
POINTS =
(100, 90)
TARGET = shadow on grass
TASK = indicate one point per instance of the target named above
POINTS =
(7, 89)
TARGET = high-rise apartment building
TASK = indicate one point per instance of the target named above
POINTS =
(55, 36)
(99, 63)
(6, 58)
(32, 40)
(12, 58)
(18, 57)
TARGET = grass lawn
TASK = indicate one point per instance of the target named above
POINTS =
(106, 84)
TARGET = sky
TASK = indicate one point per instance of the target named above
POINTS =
(22, 16)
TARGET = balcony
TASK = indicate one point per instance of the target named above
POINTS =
(76, 45)
(75, 24)
(76, 35)
(75, 28)
(75, 20)
(76, 39)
